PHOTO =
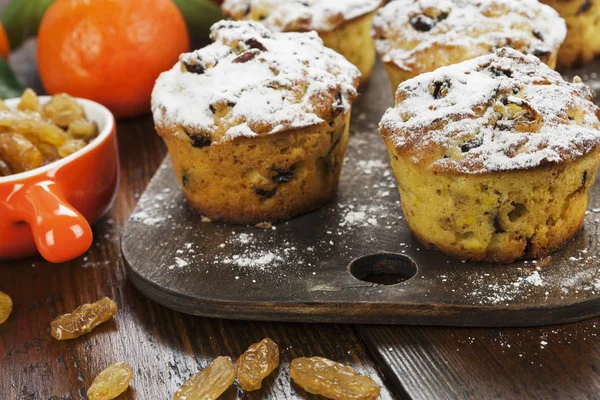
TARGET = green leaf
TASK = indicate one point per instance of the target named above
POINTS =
(199, 16)
(22, 18)
(9, 85)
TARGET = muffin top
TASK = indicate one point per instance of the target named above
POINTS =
(252, 82)
(299, 15)
(419, 35)
(500, 112)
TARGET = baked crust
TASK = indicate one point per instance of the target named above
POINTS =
(353, 40)
(266, 178)
(583, 31)
(416, 36)
(498, 217)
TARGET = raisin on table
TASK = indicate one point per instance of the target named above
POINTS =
(5, 307)
(257, 363)
(111, 382)
(333, 380)
(83, 319)
(209, 383)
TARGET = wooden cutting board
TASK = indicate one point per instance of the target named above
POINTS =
(352, 261)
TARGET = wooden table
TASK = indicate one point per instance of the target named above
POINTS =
(165, 347)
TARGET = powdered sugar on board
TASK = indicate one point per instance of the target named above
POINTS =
(300, 15)
(553, 279)
(151, 211)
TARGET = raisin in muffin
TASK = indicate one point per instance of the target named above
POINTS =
(416, 36)
(583, 30)
(344, 25)
(494, 157)
(257, 122)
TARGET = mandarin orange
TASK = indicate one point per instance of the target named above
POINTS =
(4, 43)
(109, 51)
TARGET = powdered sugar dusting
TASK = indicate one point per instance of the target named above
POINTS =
(462, 117)
(254, 260)
(535, 279)
(145, 218)
(251, 82)
(300, 15)
(407, 31)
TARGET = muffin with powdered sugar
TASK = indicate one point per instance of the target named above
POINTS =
(257, 122)
(494, 157)
(344, 25)
(416, 36)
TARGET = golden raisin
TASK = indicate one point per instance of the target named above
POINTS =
(209, 383)
(35, 130)
(333, 380)
(19, 153)
(111, 382)
(4, 168)
(257, 363)
(62, 109)
(83, 129)
(83, 319)
(71, 147)
(29, 102)
(50, 152)
(5, 307)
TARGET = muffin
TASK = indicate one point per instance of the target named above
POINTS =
(256, 123)
(494, 157)
(344, 25)
(416, 36)
(583, 30)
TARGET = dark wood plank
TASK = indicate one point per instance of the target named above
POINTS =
(556, 362)
(163, 347)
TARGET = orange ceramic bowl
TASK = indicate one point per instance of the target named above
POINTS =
(49, 209)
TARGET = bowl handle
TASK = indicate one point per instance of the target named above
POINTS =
(60, 232)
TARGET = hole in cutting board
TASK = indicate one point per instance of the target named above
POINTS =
(383, 268)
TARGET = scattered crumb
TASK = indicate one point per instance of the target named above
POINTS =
(264, 225)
